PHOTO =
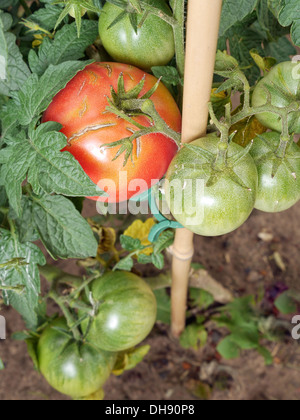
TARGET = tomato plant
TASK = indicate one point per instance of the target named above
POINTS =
(81, 109)
(74, 125)
(281, 87)
(147, 43)
(220, 198)
(279, 177)
(126, 314)
(73, 368)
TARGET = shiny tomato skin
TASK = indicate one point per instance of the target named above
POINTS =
(281, 84)
(81, 109)
(152, 45)
(214, 210)
(127, 311)
(74, 369)
(281, 192)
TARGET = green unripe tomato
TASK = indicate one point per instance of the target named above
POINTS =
(72, 368)
(127, 311)
(283, 86)
(152, 45)
(279, 193)
(208, 202)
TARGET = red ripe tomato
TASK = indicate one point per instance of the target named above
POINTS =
(81, 109)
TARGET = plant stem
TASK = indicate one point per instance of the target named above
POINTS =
(69, 317)
(157, 12)
(55, 275)
(178, 29)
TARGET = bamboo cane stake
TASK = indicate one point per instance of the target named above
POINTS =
(203, 23)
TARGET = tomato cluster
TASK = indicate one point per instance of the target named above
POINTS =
(126, 315)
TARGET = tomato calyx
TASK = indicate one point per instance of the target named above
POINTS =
(76, 9)
(220, 168)
(135, 8)
(127, 105)
(283, 158)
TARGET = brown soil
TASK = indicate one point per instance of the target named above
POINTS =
(243, 263)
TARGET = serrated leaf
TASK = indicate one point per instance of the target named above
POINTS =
(234, 11)
(163, 306)
(65, 47)
(63, 231)
(165, 240)
(169, 75)
(290, 15)
(16, 71)
(47, 16)
(126, 264)
(130, 244)
(158, 261)
(24, 275)
(26, 228)
(37, 94)
(47, 168)
(144, 259)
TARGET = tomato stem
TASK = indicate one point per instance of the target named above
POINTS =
(69, 317)
(178, 29)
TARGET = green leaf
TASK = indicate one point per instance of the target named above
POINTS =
(276, 6)
(2, 367)
(63, 231)
(165, 240)
(163, 306)
(130, 244)
(201, 298)
(194, 336)
(266, 355)
(126, 264)
(158, 261)
(47, 16)
(225, 64)
(144, 259)
(130, 359)
(281, 49)
(27, 231)
(4, 51)
(13, 70)
(235, 11)
(37, 94)
(290, 15)
(32, 351)
(26, 275)
(65, 47)
(286, 304)
(169, 75)
(47, 168)
(228, 349)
